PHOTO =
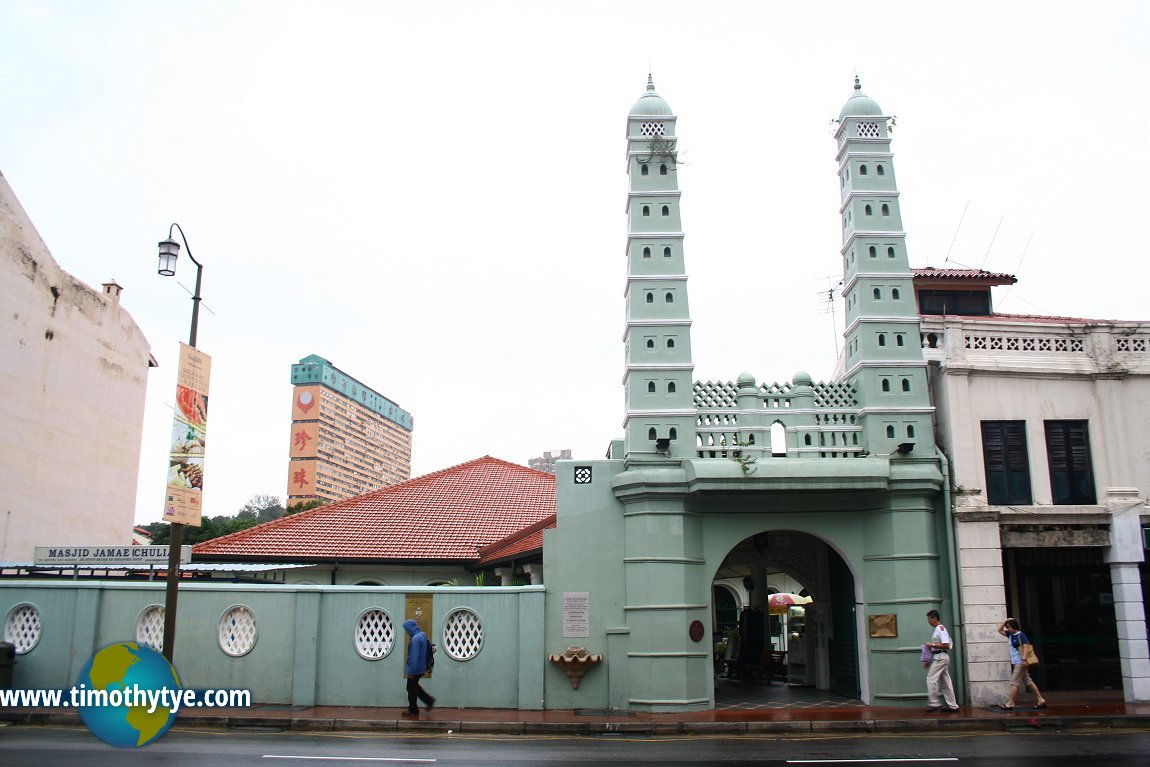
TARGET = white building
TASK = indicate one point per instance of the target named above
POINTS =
(1046, 421)
(73, 372)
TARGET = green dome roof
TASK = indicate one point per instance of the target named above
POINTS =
(651, 103)
(860, 104)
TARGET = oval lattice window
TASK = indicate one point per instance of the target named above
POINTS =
(374, 634)
(237, 631)
(22, 627)
(462, 634)
(150, 627)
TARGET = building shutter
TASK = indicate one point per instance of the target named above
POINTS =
(1007, 463)
(1071, 471)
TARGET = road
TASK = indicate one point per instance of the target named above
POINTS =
(70, 747)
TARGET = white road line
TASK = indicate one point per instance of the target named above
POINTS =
(354, 759)
(871, 761)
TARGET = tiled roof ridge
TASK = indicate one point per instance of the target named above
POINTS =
(1046, 318)
(542, 524)
(964, 273)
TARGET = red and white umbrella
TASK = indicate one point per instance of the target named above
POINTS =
(778, 603)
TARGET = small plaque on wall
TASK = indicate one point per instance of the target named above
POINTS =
(883, 625)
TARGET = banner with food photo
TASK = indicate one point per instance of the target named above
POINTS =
(189, 438)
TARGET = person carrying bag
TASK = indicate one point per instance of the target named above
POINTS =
(1022, 657)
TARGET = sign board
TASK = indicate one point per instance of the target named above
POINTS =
(576, 614)
(107, 556)
(189, 438)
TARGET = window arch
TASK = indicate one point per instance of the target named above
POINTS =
(886, 384)
(644, 170)
(651, 433)
(646, 252)
(650, 298)
(890, 252)
(670, 298)
(894, 294)
(910, 430)
(899, 339)
(890, 432)
(872, 251)
(646, 210)
(906, 384)
(878, 294)
(778, 439)
(663, 169)
(880, 169)
(674, 433)
(885, 209)
(651, 387)
(666, 251)
(650, 343)
(670, 387)
(867, 210)
(862, 170)
(666, 210)
(670, 343)
(882, 339)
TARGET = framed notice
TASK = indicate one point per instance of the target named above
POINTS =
(576, 614)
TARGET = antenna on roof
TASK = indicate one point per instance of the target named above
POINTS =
(827, 297)
(955, 237)
(992, 239)
(1019, 266)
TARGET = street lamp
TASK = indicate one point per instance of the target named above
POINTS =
(169, 252)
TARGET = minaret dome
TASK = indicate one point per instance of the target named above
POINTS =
(859, 104)
(651, 103)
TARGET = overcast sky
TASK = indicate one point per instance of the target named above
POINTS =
(432, 195)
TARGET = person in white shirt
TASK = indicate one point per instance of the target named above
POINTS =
(938, 677)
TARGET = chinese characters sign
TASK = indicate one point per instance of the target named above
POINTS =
(189, 437)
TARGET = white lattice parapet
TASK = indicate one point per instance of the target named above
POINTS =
(575, 662)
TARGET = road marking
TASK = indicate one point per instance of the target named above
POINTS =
(354, 758)
(871, 761)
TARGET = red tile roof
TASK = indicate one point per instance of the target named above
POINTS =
(443, 516)
(972, 275)
(526, 542)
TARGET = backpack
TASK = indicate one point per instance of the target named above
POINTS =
(431, 658)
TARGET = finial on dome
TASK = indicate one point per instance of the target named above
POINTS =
(650, 82)
(858, 86)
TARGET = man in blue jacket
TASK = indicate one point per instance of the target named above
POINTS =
(418, 658)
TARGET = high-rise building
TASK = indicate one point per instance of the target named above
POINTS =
(546, 462)
(346, 438)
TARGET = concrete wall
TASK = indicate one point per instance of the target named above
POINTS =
(73, 374)
(304, 652)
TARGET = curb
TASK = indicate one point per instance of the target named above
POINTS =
(593, 729)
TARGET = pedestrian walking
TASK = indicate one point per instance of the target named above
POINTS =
(1019, 668)
(938, 676)
(418, 663)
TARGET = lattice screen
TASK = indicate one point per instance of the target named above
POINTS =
(238, 631)
(374, 634)
(652, 129)
(462, 634)
(22, 627)
(868, 130)
(150, 627)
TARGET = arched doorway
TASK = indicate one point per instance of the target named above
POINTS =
(807, 636)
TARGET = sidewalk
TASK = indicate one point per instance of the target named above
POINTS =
(838, 719)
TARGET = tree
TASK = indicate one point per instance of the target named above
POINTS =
(262, 508)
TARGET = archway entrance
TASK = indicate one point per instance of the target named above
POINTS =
(795, 640)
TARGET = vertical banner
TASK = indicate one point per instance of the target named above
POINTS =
(189, 438)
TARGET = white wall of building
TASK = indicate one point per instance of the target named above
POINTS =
(73, 373)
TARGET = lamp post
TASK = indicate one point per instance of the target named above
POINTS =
(169, 252)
